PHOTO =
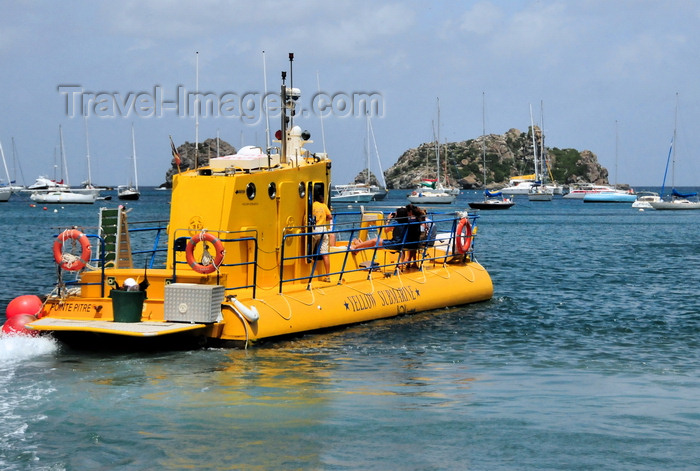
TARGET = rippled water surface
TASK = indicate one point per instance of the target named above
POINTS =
(586, 358)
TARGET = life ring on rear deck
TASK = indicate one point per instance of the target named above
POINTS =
(463, 236)
(73, 264)
(189, 253)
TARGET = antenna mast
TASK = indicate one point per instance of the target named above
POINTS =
(483, 132)
(267, 117)
(196, 112)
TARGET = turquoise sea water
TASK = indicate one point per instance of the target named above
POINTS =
(586, 358)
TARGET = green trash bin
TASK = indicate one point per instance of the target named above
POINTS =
(127, 306)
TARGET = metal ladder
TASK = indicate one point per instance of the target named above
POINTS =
(114, 229)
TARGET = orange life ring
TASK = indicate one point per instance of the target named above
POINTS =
(189, 253)
(85, 254)
(463, 236)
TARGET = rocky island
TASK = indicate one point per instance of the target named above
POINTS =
(506, 155)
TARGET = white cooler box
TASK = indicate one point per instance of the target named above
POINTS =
(190, 302)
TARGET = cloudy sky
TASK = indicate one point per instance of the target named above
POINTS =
(587, 64)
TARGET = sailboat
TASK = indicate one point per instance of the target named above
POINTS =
(675, 200)
(492, 200)
(435, 193)
(62, 194)
(16, 187)
(131, 191)
(5, 190)
(545, 168)
(87, 186)
(360, 192)
(379, 192)
(538, 191)
(10, 186)
(447, 186)
(352, 193)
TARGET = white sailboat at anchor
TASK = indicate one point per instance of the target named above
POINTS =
(435, 193)
(63, 194)
(675, 200)
(131, 191)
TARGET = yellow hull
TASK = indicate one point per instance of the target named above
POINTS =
(330, 306)
(303, 307)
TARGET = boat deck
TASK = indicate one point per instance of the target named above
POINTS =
(133, 329)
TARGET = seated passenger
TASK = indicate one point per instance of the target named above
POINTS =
(396, 242)
(413, 233)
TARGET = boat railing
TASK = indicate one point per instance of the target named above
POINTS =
(100, 262)
(313, 253)
(227, 237)
(346, 232)
(158, 246)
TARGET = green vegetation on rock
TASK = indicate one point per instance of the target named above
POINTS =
(506, 155)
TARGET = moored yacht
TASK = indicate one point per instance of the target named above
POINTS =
(352, 193)
(645, 198)
(582, 189)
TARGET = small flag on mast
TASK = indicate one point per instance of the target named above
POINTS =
(176, 154)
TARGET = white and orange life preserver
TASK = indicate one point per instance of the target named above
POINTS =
(463, 236)
(189, 253)
(71, 263)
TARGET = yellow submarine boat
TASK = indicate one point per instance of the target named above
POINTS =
(242, 265)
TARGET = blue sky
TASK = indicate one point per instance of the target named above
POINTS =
(590, 63)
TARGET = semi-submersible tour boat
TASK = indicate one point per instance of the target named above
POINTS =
(243, 264)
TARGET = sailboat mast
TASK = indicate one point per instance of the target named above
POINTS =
(63, 156)
(534, 146)
(483, 133)
(543, 160)
(437, 142)
(616, 139)
(671, 152)
(376, 151)
(2, 153)
(368, 153)
(16, 164)
(133, 157)
(675, 127)
(87, 155)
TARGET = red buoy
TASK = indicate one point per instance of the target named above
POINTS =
(26, 304)
(15, 325)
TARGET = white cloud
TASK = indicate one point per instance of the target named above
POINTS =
(344, 30)
(642, 53)
(535, 30)
(334, 28)
(482, 18)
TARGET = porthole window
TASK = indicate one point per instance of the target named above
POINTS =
(250, 191)
(302, 190)
(272, 190)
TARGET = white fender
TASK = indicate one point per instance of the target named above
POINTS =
(250, 313)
